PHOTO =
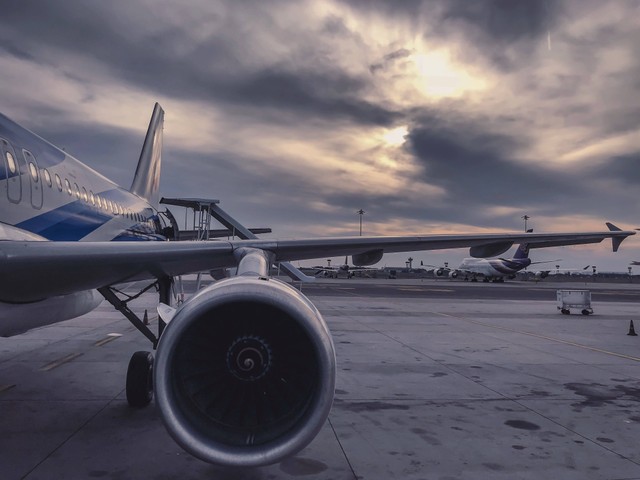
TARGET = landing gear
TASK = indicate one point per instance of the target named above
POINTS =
(564, 311)
(139, 385)
(140, 379)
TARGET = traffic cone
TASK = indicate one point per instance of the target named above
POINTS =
(632, 331)
(145, 319)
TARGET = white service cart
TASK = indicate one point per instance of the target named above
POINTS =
(568, 299)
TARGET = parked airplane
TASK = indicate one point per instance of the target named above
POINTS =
(348, 270)
(245, 369)
(494, 269)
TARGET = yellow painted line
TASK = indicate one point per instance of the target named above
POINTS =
(60, 361)
(411, 289)
(110, 338)
(544, 337)
(5, 388)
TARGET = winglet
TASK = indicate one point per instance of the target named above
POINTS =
(616, 241)
(147, 177)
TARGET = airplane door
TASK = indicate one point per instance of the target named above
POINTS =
(12, 166)
(34, 180)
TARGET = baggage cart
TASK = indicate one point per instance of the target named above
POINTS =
(580, 299)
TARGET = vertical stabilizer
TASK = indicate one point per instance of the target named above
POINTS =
(522, 251)
(147, 178)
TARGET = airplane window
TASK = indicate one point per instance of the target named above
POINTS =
(34, 171)
(92, 197)
(58, 182)
(68, 185)
(76, 190)
(47, 177)
(11, 162)
(85, 197)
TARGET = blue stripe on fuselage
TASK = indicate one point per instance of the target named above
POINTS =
(76, 220)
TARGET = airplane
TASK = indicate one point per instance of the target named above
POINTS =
(494, 269)
(345, 268)
(634, 262)
(244, 371)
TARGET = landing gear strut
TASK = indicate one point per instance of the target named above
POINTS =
(139, 385)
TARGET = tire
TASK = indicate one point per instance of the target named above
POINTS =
(585, 312)
(565, 311)
(140, 379)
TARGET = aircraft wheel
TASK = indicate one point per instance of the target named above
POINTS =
(585, 312)
(140, 379)
(565, 311)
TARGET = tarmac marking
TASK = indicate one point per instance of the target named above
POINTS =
(5, 388)
(109, 338)
(544, 337)
(60, 361)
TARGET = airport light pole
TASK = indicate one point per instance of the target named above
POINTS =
(410, 261)
(525, 217)
(361, 213)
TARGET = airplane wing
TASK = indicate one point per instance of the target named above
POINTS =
(32, 271)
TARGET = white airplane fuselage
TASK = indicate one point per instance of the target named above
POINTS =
(48, 195)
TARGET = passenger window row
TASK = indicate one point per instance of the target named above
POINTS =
(87, 196)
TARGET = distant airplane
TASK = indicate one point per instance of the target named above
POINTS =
(496, 269)
(245, 369)
(345, 268)
(634, 263)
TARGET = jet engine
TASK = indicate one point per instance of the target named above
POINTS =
(453, 274)
(245, 372)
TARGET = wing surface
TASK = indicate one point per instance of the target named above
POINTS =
(34, 270)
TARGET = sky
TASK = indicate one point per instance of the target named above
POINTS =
(434, 116)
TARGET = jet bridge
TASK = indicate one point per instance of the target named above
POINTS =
(204, 210)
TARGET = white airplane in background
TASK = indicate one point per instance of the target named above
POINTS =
(245, 369)
(348, 270)
(496, 269)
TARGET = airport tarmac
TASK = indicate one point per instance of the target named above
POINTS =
(436, 380)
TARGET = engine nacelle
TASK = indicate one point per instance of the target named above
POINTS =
(440, 272)
(453, 274)
(245, 372)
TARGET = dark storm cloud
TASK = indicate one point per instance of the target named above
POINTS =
(212, 71)
(624, 169)
(504, 21)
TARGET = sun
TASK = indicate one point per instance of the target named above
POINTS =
(396, 136)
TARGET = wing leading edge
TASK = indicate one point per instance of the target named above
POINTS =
(32, 271)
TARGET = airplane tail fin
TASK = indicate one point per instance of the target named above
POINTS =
(522, 251)
(147, 177)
